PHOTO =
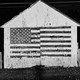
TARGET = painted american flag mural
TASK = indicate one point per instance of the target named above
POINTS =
(41, 41)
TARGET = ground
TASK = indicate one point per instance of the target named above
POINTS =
(41, 73)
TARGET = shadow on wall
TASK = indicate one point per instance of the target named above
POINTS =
(78, 57)
(0, 60)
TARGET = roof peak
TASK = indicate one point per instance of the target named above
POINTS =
(41, 12)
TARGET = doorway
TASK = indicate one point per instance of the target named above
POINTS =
(1, 47)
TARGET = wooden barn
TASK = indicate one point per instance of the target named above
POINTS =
(40, 35)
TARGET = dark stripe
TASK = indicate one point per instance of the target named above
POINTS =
(23, 47)
(35, 34)
(63, 41)
(35, 28)
(35, 42)
(27, 52)
(34, 51)
(18, 47)
(33, 46)
(58, 50)
(55, 45)
(35, 37)
(49, 55)
(56, 27)
(33, 56)
(55, 32)
(55, 36)
(57, 55)
(16, 51)
(24, 56)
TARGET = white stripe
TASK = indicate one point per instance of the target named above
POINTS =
(25, 54)
(35, 36)
(55, 43)
(51, 48)
(56, 52)
(35, 40)
(55, 29)
(35, 31)
(25, 44)
(54, 34)
(27, 49)
(52, 39)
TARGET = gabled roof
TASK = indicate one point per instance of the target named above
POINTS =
(40, 14)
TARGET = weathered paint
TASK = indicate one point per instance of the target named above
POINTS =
(78, 57)
(56, 61)
(40, 15)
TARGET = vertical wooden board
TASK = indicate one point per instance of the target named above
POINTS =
(74, 45)
(6, 47)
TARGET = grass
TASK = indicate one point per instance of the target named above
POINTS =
(40, 72)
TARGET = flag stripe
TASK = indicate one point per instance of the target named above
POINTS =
(35, 40)
(24, 56)
(32, 38)
(27, 52)
(55, 45)
(57, 55)
(55, 31)
(44, 29)
(47, 36)
(28, 49)
(58, 41)
(55, 39)
(57, 50)
(52, 34)
(35, 33)
(23, 47)
(51, 48)
(55, 27)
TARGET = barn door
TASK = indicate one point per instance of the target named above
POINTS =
(55, 46)
(22, 47)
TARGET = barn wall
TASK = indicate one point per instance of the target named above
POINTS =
(47, 61)
(40, 15)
